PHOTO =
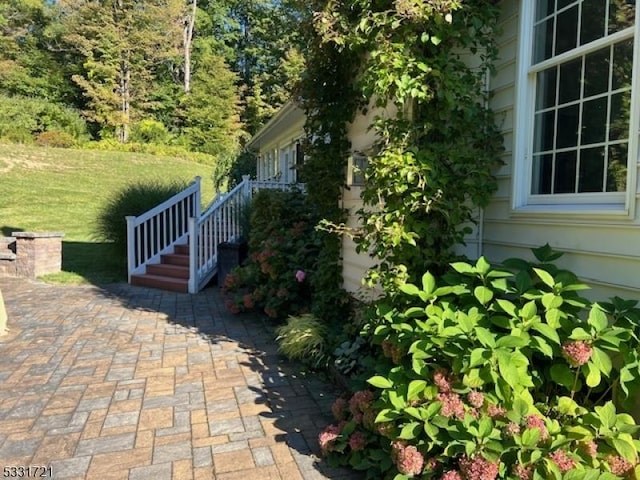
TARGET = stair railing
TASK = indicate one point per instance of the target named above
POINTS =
(157, 231)
(222, 222)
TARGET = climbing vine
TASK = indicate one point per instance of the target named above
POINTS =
(433, 161)
(329, 99)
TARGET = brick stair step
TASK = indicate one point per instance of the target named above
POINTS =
(175, 259)
(168, 270)
(160, 282)
(181, 249)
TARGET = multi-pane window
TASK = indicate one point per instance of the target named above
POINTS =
(358, 164)
(581, 69)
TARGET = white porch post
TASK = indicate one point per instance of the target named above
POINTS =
(131, 247)
(198, 197)
(193, 256)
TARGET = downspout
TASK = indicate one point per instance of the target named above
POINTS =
(480, 245)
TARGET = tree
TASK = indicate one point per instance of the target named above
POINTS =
(28, 64)
(121, 44)
(211, 111)
(262, 43)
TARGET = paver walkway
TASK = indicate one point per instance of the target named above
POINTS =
(125, 382)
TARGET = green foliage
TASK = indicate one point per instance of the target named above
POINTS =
(120, 47)
(506, 372)
(149, 131)
(304, 338)
(433, 160)
(210, 121)
(283, 252)
(133, 199)
(26, 118)
(177, 151)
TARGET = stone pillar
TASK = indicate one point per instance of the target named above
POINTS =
(38, 253)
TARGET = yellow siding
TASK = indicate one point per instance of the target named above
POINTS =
(602, 250)
(354, 265)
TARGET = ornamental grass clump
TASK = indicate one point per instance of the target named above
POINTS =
(508, 374)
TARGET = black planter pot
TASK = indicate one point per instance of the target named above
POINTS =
(230, 255)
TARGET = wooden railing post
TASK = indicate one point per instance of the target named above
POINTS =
(193, 255)
(131, 246)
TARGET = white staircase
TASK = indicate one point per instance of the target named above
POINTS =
(174, 246)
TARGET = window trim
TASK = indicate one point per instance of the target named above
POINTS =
(523, 202)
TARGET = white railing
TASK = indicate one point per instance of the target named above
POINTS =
(273, 185)
(222, 222)
(157, 231)
(179, 220)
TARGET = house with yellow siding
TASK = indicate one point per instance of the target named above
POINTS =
(564, 90)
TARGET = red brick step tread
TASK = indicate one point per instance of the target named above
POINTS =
(161, 282)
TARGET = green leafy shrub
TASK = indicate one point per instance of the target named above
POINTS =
(304, 338)
(491, 374)
(177, 151)
(32, 116)
(149, 131)
(55, 138)
(283, 252)
(134, 199)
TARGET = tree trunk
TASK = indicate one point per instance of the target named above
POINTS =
(125, 100)
(187, 37)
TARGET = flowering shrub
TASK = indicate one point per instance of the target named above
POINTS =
(283, 251)
(503, 375)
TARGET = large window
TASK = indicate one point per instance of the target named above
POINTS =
(579, 70)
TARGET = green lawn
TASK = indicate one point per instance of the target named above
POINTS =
(62, 190)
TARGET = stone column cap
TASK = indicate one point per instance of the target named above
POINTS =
(37, 234)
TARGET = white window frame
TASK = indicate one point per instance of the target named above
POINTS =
(608, 203)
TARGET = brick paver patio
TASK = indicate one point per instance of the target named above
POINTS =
(126, 382)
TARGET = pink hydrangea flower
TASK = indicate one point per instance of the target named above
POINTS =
(478, 468)
(441, 381)
(476, 399)
(431, 463)
(452, 405)
(619, 466)
(495, 411)
(562, 460)
(523, 472)
(577, 352)
(410, 461)
(360, 401)
(300, 276)
(339, 408)
(397, 446)
(385, 429)
(247, 300)
(534, 421)
(452, 475)
(512, 429)
(327, 438)
(392, 351)
(369, 418)
(590, 448)
(357, 441)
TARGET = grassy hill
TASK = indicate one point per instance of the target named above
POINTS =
(62, 190)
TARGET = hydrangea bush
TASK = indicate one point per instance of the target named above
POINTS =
(283, 252)
(496, 374)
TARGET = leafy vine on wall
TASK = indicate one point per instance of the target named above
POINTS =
(433, 162)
